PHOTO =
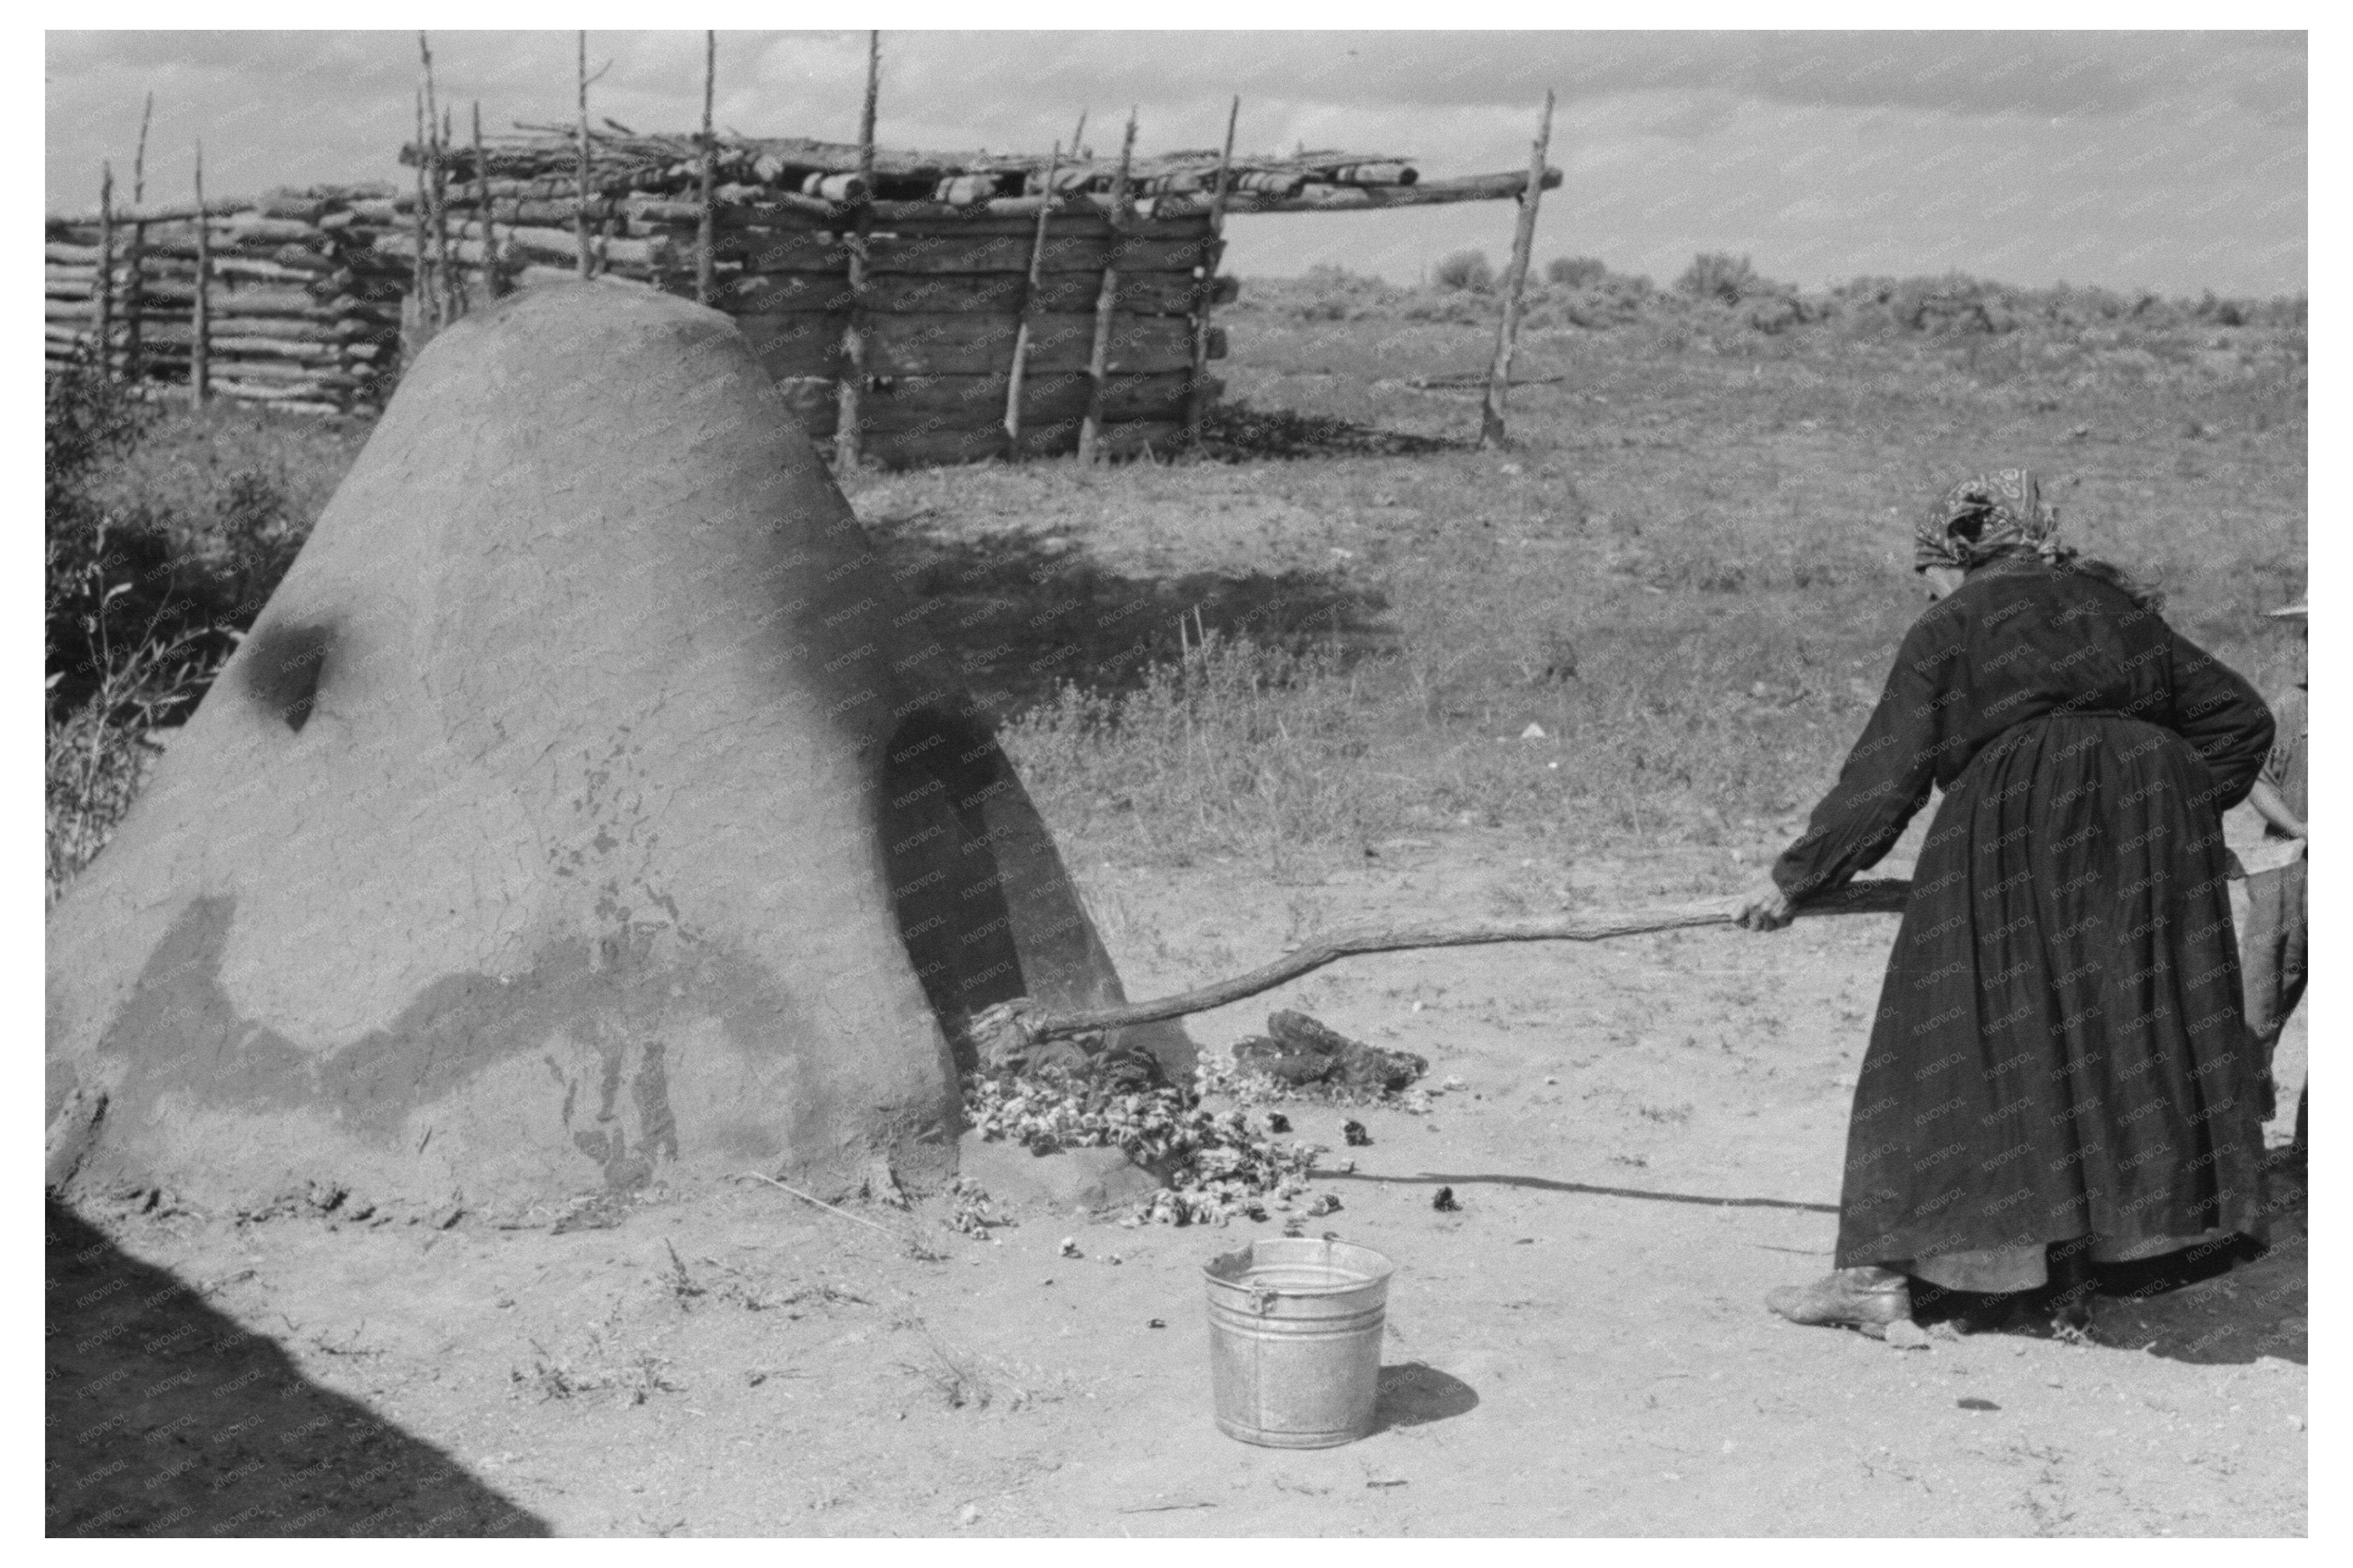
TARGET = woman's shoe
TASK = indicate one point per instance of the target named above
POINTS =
(1865, 1299)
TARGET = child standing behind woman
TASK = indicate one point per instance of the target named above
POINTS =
(2271, 957)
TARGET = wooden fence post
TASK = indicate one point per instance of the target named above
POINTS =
(449, 298)
(454, 297)
(493, 284)
(848, 439)
(135, 304)
(580, 217)
(1197, 395)
(417, 285)
(706, 269)
(1507, 331)
(1019, 373)
(1107, 304)
(105, 290)
(200, 330)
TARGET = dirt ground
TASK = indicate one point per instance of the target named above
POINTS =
(1647, 1138)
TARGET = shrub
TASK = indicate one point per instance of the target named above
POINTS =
(85, 419)
(1576, 272)
(1713, 275)
(123, 654)
(1467, 269)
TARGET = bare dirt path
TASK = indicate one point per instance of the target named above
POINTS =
(1646, 1138)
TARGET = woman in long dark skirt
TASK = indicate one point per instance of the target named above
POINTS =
(2060, 1073)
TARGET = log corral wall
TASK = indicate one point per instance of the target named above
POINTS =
(946, 292)
(309, 290)
(301, 311)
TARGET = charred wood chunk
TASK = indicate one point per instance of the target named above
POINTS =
(1283, 1063)
(1355, 1064)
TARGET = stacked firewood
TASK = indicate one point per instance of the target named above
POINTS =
(297, 306)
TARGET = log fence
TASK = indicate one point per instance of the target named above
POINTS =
(285, 300)
(1000, 306)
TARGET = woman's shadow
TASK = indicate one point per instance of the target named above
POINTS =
(1414, 1394)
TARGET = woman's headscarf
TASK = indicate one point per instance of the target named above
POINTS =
(1981, 517)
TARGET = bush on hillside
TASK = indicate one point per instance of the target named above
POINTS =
(104, 574)
(1576, 272)
(135, 625)
(1467, 270)
(1724, 278)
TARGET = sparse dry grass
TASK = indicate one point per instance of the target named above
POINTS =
(1690, 572)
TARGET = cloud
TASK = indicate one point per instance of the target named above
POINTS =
(1824, 153)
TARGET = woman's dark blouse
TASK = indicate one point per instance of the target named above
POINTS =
(2020, 640)
(2060, 1049)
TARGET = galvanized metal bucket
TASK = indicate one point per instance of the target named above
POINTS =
(1295, 1341)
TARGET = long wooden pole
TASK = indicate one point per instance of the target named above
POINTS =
(1020, 370)
(417, 273)
(848, 439)
(445, 303)
(200, 330)
(1010, 1027)
(1107, 304)
(580, 218)
(138, 158)
(1507, 331)
(706, 270)
(106, 270)
(1197, 395)
(493, 284)
(134, 305)
(453, 277)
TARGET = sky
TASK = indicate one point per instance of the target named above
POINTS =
(2175, 160)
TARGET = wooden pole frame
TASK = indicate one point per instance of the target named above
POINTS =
(1107, 304)
(200, 328)
(1197, 395)
(848, 437)
(706, 268)
(1507, 331)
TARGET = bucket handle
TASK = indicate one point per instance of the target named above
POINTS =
(1260, 1298)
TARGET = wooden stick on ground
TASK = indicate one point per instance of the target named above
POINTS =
(1107, 304)
(1023, 1022)
(845, 1214)
(1197, 402)
(198, 368)
(1507, 331)
(848, 437)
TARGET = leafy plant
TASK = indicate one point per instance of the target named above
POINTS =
(1468, 271)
